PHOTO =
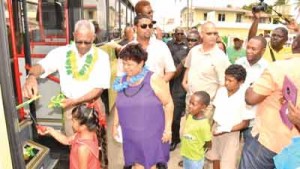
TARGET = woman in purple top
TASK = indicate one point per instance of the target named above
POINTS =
(144, 111)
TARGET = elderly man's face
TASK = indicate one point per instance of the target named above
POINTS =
(209, 34)
(278, 38)
(83, 39)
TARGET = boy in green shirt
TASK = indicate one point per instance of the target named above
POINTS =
(197, 132)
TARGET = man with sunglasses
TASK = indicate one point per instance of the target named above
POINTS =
(205, 66)
(159, 57)
(179, 50)
(83, 69)
(275, 49)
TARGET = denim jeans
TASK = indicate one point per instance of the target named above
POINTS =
(247, 135)
(256, 156)
(192, 164)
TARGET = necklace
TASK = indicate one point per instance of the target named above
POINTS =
(84, 72)
(118, 85)
(135, 93)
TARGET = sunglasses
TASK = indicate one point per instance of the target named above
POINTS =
(83, 42)
(192, 40)
(180, 34)
(144, 26)
(212, 33)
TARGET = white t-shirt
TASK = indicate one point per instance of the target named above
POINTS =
(230, 110)
(99, 77)
(253, 73)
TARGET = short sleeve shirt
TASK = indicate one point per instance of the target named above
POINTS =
(268, 124)
(206, 69)
(99, 77)
(159, 58)
(196, 132)
(230, 110)
(285, 51)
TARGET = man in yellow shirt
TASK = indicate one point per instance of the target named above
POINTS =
(275, 49)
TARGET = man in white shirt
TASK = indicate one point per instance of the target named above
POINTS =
(205, 66)
(84, 71)
(159, 59)
(254, 64)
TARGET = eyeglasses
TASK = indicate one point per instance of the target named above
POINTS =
(212, 33)
(192, 40)
(83, 42)
(144, 26)
(180, 34)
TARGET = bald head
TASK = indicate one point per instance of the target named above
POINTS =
(209, 34)
(207, 25)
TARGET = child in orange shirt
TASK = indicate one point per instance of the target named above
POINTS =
(84, 143)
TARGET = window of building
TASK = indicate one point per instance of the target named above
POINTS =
(205, 16)
(238, 18)
(90, 14)
(221, 17)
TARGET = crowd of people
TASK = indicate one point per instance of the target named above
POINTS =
(222, 93)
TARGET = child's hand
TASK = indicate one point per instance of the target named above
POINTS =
(43, 130)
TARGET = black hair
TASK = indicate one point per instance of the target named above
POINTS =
(262, 40)
(237, 71)
(139, 17)
(135, 52)
(88, 117)
(204, 97)
(283, 30)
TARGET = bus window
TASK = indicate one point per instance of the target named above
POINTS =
(114, 19)
(95, 11)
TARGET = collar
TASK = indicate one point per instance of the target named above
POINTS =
(210, 52)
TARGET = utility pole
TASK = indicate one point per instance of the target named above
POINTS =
(188, 14)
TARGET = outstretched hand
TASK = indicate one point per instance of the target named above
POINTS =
(66, 103)
(43, 130)
(292, 25)
(256, 15)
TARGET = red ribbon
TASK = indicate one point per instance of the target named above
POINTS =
(98, 108)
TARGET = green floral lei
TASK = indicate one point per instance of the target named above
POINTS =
(84, 72)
